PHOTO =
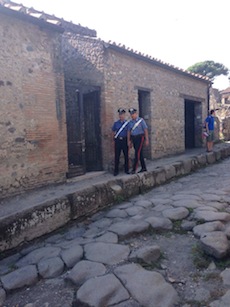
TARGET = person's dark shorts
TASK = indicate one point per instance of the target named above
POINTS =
(210, 138)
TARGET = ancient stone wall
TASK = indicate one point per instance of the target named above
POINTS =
(83, 60)
(125, 74)
(226, 129)
(32, 118)
(120, 75)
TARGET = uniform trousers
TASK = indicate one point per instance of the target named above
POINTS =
(121, 145)
(138, 142)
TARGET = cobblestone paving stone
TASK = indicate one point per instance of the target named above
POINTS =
(166, 248)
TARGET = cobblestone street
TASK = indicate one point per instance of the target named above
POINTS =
(167, 247)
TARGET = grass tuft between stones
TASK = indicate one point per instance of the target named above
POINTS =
(223, 263)
(177, 227)
(200, 259)
(119, 199)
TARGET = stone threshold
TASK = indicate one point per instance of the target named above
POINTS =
(30, 222)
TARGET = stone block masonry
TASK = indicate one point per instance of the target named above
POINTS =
(32, 220)
(123, 76)
(33, 149)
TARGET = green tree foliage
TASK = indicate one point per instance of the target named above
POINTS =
(210, 69)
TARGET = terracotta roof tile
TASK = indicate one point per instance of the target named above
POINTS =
(49, 19)
(78, 29)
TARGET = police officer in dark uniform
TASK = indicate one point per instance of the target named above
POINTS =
(137, 135)
(120, 129)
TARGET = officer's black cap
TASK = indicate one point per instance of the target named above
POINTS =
(121, 111)
(132, 110)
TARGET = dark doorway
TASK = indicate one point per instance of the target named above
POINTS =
(91, 108)
(189, 124)
(75, 132)
(83, 130)
(193, 124)
(145, 112)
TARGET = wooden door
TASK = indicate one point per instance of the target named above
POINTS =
(93, 155)
(75, 131)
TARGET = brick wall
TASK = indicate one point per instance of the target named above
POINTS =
(32, 117)
(120, 75)
(124, 74)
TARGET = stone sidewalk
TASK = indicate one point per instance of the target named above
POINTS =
(36, 213)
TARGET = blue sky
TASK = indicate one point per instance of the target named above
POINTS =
(179, 32)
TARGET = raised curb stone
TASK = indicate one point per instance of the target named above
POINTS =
(50, 268)
(147, 180)
(160, 176)
(176, 214)
(215, 244)
(148, 288)
(170, 172)
(147, 254)
(102, 291)
(85, 270)
(72, 255)
(106, 253)
(202, 160)
(25, 276)
(187, 165)
(211, 157)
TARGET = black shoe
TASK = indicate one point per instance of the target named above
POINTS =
(133, 172)
(143, 170)
(127, 172)
(115, 173)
